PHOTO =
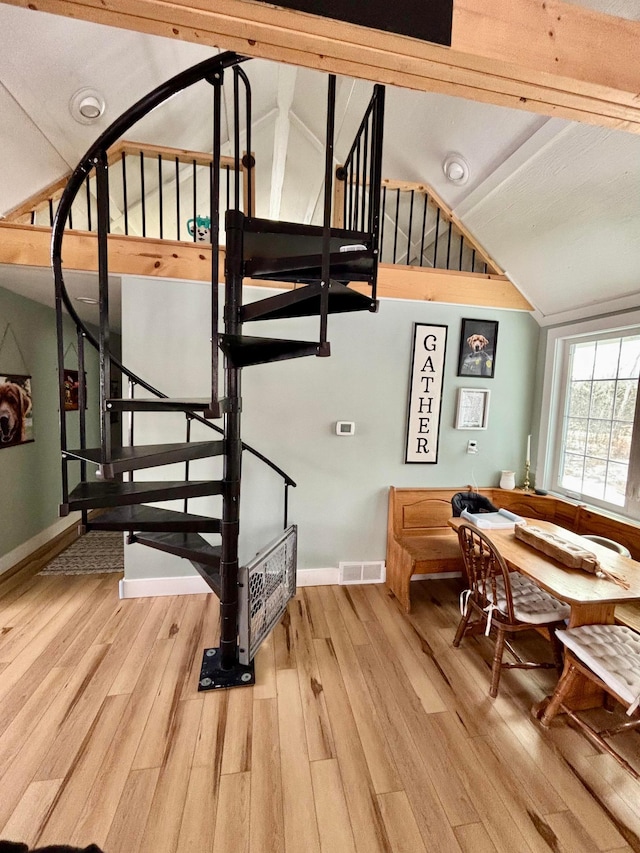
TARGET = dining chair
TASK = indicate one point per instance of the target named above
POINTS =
(608, 543)
(608, 655)
(507, 602)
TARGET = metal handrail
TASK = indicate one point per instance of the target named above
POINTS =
(94, 157)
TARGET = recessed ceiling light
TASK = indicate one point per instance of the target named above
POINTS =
(86, 106)
(456, 169)
(88, 300)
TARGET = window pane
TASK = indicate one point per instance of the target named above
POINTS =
(625, 400)
(607, 357)
(630, 359)
(602, 395)
(599, 408)
(583, 357)
(579, 399)
(576, 438)
(598, 437)
(616, 483)
(620, 442)
(595, 472)
(571, 477)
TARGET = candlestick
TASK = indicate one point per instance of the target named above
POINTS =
(526, 484)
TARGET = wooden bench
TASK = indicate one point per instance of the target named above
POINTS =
(420, 542)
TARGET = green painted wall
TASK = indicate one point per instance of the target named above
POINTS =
(290, 409)
(30, 473)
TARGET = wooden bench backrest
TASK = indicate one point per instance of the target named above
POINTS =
(626, 533)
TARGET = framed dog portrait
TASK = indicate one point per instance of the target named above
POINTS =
(478, 340)
(16, 410)
(71, 390)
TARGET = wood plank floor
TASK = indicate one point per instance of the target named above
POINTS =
(365, 733)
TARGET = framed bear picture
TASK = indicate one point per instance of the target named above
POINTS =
(16, 410)
(477, 356)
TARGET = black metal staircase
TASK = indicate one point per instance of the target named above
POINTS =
(320, 260)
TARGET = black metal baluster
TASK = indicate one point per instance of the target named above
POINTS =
(395, 232)
(485, 269)
(102, 187)
(349, 222)
(70, 218)
(410, 227)
(124, 193)
(424, 227)
(186, 464)
(226, 168)
(364, 174)
(247, 120)
(384, 210)
(142, 196)
(82, 414)
(449, 246)
(33, 217)
(214, 216)
(195, 202)
(88, 203)
(356, 200)
(461, 250)
(473, 261)
(236, 139)
(160, 206)
(51, 212)
(177, 199)
(435, 245)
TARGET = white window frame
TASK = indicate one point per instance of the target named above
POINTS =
(553, 395)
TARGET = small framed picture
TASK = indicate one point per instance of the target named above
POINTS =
(478, 341)
(473, 408)
(16, 410)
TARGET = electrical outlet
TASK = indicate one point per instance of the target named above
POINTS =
(472, 446)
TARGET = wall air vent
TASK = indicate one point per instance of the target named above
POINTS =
(369, 572)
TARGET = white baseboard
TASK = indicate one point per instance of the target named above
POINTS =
(149, 587)
(194, 584)
(436, 576)
(8, 561)
(318, 577)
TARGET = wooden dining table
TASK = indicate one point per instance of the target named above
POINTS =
(592, 599)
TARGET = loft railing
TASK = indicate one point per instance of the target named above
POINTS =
(154, 191)
(416, 227)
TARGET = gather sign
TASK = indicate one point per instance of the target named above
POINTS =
(425, 392)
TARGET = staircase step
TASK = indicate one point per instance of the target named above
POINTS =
(269, 238)
(343, 266)
(152, 519)
(112, 493)
(243, 350)
(190, 546)
(305, 302)
(168, 404)
(211, 576)
(146, 456)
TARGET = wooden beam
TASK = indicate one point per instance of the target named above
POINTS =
(546, 56)
(30, 246)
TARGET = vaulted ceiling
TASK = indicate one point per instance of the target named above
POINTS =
(557, 204)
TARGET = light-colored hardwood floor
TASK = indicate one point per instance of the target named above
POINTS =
(366, 732)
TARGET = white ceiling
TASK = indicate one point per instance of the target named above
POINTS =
(557, 204)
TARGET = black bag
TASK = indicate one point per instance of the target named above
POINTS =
(472, 502)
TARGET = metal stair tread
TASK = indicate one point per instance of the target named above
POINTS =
(350, 266)
(88, 495)
(190, 546)
(305, 302)
(148, 455)
(153, 519)
(158, 404)
(245, 350)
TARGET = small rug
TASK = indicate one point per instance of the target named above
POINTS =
(94, 553)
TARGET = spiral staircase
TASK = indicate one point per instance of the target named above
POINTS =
(321, 261)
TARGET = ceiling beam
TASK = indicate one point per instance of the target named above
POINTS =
(286, 89)
(546, 56)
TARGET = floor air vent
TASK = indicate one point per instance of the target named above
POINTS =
(362, 573)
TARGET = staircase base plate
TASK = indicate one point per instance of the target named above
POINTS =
(213, 677)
